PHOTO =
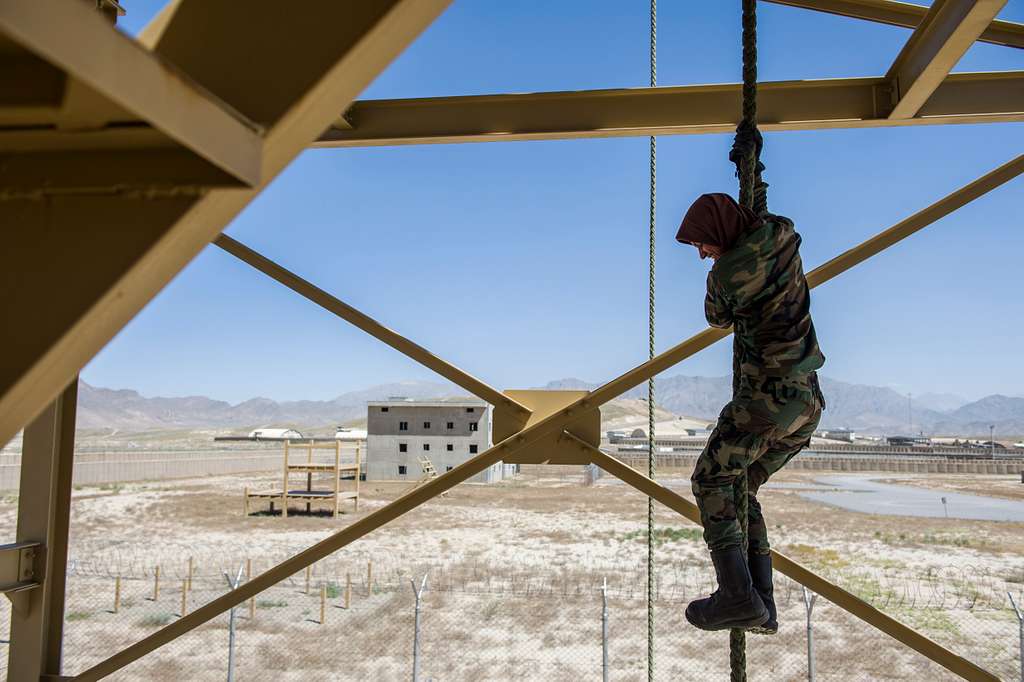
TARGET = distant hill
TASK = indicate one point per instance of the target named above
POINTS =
(869, 409)
(126, 409)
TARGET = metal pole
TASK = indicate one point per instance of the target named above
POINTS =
(992, 440)
(604, 631)
(809, 599)
(416, 630)
(231, 624)
(1020, 624)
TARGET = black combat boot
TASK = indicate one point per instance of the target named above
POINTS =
(761, 576)
(734, 604)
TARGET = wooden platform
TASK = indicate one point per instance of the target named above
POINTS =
(321, 467)
(334, 472)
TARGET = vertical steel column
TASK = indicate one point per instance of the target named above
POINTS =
(44, 506)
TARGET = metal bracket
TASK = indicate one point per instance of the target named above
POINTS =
(21, 570)
(550, 450)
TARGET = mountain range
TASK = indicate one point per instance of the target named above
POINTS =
(868, 409)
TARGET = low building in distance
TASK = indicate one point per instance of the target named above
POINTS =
(402, 433)
(274, 434)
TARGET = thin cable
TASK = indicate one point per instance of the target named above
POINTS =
(651, 223)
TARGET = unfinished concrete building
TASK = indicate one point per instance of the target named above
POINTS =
(401, 433)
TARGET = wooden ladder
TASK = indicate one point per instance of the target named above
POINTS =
(429, 472)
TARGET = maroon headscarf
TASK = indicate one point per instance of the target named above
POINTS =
(716, 219)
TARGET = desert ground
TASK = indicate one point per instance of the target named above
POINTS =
(514, 575)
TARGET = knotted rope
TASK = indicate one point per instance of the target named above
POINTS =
(746, 152)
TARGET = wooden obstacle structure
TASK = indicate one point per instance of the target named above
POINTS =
(336, 471)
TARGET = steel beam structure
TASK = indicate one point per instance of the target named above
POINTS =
(133, 82)
(44, 507)
(904, 14)
(937, 44)
(374, 328)
(555, 423)
(682, 110)
(121, 248)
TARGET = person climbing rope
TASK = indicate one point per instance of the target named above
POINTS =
(756, 285)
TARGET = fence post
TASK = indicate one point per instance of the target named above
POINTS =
(323, 602)
(604, 630)
(809, 599)
(190, 565)
(309, 571)
(416, 629)
(369, 578)
(1020, 625)
(184, 597)
(248, 577)
(348, 590)
(117, 594)
(156, 584)
(231, 625)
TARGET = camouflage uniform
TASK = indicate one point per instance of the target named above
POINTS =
(759, 288)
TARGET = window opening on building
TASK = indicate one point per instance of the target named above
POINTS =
(401, 470)
(403, 426)
(472, 449)
(403, 447)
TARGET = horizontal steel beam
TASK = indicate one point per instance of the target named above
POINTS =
(683, 110)
(371, 326)
(937, 44)
(904, 14)
(552, 425)
(132, 78)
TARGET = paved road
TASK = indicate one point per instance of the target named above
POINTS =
(861, 494)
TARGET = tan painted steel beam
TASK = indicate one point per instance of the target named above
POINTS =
(75, 38)
(44, 509)
(119, 251)
(835, 594)
(682, 110)
(371, 326)
(904, 14)
(551, 425)
(937, 44)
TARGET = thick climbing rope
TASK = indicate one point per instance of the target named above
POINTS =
(754, 195)
(652, 205)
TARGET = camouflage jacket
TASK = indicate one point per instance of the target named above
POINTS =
(758, 286)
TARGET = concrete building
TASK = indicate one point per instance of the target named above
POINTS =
(846, 435)
(447, 431)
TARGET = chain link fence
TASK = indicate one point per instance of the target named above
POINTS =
(482, 622)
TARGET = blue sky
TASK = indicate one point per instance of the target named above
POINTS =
(523, 262)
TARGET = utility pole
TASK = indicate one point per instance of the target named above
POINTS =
(992, 440)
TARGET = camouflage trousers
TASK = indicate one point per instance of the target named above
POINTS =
(768, 421)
